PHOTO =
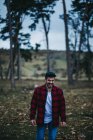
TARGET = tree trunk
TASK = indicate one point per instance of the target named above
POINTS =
(89, 51)
(18, 64)
(14, 52)
(1, 72)
(47, 42)
(79, 52)
(11, 49)
(1, 69)
(68, 55)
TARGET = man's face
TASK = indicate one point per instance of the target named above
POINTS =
(50, 82)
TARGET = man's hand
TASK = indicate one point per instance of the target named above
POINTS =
(63, 124)
(33, 122)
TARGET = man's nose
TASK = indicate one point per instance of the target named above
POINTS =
(51, 82)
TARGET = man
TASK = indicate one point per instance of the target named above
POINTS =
(47, 105)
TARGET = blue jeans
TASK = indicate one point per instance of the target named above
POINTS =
(52, 132)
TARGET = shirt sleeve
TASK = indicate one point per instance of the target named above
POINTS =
(33, 106)
(62, 107)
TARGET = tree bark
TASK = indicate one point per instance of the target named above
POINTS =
(68, 53)
(11, 49)
(79, 51)
(1, 72)
(18, 64)
(47, 42)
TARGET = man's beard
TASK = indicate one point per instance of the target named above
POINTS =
(49, 85)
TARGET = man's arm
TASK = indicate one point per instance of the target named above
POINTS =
(33, 107)
(62, 109)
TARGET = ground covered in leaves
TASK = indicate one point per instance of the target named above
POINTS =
(14, 115)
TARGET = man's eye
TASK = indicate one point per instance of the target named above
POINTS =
(51, 80)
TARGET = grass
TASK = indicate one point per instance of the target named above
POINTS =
(38, 65)
(60, 64)
(14, 114)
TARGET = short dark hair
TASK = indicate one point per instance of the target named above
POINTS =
(50, 74)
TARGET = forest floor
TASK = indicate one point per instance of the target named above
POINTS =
(14, 114)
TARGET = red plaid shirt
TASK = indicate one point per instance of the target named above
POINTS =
(38, 105)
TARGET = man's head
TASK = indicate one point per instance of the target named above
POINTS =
(50, 78)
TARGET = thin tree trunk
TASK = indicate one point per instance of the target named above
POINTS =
(68, 55)
(79, 52)
(18, 65)
(1, 69)
(8, 71)
(1, 72)
(11, 50)
(89, 51)
(47, 43)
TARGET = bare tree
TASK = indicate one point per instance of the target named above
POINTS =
(68, 53)
(46, 29)
(11, 49)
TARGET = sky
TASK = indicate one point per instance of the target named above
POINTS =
(56, 33)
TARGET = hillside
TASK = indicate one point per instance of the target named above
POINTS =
(37, 65)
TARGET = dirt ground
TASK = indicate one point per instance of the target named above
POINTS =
(14, 114)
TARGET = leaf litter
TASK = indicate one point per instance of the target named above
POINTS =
(15, 122)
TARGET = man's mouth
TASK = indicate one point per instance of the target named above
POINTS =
(49, 84)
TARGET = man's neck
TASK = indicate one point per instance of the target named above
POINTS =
(49, 89)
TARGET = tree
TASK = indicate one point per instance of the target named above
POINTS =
(44, 8)
(84, 11)
(39, 9)
(10, 35)
(36, 10)
(68, 52)
(46, 29)
(17, 37)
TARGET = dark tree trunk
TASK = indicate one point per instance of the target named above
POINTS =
(1, 69)
(1, 72)
(18, 65)
(89, 51)
(11, 44)
(68, 53)
(79, 52)
(47, 42)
